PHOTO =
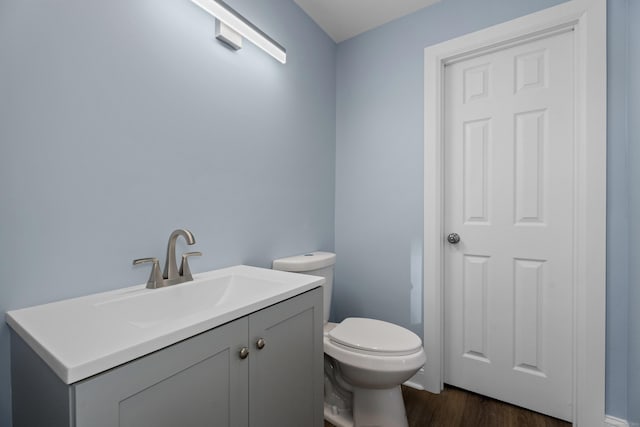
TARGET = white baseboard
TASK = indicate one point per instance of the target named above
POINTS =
(610, 421)
(417, 381)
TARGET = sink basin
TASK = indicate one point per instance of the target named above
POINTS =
(153, 306)
(84, 336)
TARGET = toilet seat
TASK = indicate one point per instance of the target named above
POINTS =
(377, 363)
(356, 353)
(375, 337)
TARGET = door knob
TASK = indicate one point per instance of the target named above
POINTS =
(260, 343)
(453, 238)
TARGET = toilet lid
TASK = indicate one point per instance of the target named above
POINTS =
(375, 336)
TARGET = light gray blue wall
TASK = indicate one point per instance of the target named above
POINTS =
(634, 233)
(379, 172)
(617, 208)
(122, 120)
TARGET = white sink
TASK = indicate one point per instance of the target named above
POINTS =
(188, 300)
(84, 336)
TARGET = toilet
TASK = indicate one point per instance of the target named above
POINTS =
(366, 360)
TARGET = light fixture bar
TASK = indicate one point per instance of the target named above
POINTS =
(242, 26)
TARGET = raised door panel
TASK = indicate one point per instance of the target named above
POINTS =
(286, 384)
(197, 382)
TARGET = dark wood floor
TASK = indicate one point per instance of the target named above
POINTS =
(458, 408)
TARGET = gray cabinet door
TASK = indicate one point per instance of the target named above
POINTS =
(195, 383)
(286, 383)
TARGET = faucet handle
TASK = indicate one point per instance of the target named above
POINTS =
(155, 278)
(185, 271)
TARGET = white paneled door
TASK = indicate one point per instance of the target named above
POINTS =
(509, 198)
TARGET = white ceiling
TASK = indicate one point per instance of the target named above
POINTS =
(343, 19)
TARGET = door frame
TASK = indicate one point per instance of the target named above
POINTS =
(588, 20)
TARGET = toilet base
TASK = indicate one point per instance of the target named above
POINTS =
(372, 408)
(342, 419)
(379, 407)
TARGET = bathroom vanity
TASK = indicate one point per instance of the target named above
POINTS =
(244, 349)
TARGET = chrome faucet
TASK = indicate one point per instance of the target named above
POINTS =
(172, 275)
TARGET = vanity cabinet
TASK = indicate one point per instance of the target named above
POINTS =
(264, 369)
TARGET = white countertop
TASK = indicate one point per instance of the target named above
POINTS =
(84, 336)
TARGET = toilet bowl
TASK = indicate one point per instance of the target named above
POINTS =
(366, 360)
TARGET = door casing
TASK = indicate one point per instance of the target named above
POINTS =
(587, 18)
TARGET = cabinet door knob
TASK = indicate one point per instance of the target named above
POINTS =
(260, 343)
(244, 353)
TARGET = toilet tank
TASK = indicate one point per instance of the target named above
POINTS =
(315, 264)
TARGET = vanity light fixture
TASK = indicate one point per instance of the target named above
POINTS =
(231, 27)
